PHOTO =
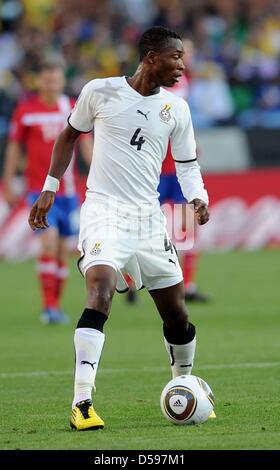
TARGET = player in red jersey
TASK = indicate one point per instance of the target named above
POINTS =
(35, 124)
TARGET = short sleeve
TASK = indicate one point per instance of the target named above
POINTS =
(85, 109)
(182, 139)
(17, 128)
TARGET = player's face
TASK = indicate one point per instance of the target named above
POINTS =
(169, 65)
(51, 81)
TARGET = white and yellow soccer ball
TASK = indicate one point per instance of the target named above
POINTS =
(187, 399)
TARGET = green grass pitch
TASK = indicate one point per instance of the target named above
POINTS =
(237, 354)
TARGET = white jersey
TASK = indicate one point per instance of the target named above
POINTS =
(131, 135)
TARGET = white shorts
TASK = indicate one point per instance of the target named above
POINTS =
(130, 240)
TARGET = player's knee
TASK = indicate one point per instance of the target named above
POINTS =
(177, 320)
(174, 312)
(100, 291)
(49, 249)
(99, 297)
(178, 330)
(49, 241)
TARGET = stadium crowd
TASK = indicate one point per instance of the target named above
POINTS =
(235, 69)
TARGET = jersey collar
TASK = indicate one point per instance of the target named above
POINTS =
(132, 90)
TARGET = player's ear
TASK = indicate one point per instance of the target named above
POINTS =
(150, 57)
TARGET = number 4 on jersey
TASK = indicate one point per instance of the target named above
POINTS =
(138, 142)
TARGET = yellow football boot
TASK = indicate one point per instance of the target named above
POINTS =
(84, 418)
(212, 415)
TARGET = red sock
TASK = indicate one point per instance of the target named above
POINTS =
(189, 266)
(128, 280)
(61, 276)
(46, 268)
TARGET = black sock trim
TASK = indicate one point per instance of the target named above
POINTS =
(92, 319)
(179, 336)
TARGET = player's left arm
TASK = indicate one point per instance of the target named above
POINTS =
(201, 211)
(191, 182)
(188, 172)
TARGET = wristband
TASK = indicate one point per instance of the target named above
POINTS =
(51, 184)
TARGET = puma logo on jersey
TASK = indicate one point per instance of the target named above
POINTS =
(89, 363)
(143, 114)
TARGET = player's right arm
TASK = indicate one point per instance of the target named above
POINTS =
(13, 154)
(12, 157)
(61, 157)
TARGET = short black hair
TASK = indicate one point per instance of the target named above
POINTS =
(155, 39)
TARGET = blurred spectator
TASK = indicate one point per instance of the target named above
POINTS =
(210, 99)
(10, 47)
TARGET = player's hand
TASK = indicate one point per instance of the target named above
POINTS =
(39, 210)
(201, 211)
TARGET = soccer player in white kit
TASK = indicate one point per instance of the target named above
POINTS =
(122, 226)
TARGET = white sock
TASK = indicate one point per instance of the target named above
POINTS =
(181, 357)
(88, 346)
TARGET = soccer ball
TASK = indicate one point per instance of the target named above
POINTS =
(187, 399)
